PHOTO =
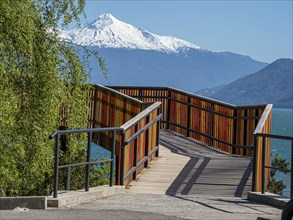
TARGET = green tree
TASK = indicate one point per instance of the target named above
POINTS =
(277, 186)
(39, 75)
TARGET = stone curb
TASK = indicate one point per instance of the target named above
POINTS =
(30, 202)
(65, 198)
(68, 198)
(275, 200)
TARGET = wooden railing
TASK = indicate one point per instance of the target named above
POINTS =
(137, 143)
(139, 117)
(140, 142)
(221, 125)
(216, 123)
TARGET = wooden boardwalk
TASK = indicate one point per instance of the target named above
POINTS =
(188, 167)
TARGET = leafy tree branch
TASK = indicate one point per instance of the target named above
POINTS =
(40, 75)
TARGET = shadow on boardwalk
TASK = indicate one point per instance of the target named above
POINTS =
(208, 172)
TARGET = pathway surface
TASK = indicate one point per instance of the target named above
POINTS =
(189, 167)
(155, 207)
(187, 181)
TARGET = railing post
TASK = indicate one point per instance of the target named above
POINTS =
(188, 117)
(140, 94)
(112, 158)
(168, 108)
(263, 165)
(254, 163)
(56, 166)
(212, 125)
(68, 177)
(88, 159)
(135, 152)
(122, 160)
(94, 107)
(158, 134)
(291, 192)
(146, 152)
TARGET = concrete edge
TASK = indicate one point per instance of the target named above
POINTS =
(271, 199)
(69, 198)
(30, 202)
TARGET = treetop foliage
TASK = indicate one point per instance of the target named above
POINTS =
(39, 76)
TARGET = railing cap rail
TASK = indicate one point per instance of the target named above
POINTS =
(194, 95)
(119, 93)
(263, 119)
(87, 130)
(140, 116)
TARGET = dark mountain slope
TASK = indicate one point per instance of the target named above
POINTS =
(189, 71)
(273, 84)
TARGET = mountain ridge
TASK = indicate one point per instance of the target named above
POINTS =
(272, 84)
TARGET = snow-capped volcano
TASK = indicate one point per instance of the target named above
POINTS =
(108, 32)
(135, 56)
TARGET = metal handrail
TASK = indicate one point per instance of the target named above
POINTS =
(263, 167)
(224, 104)
(89, 131)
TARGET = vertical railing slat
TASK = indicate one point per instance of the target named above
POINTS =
(135, 152)
(146, 152)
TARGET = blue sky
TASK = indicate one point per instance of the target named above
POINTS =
(260, 29)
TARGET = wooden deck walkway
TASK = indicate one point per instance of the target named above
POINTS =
(188, 167)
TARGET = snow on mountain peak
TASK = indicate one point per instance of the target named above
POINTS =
(107, 31)
(102, 21)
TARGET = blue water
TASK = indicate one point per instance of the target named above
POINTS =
(98, 153)
(282, 125)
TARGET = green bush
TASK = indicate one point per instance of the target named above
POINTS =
(274, 185)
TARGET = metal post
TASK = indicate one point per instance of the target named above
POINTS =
(168, 108)
(188, 117)
(68, 177)
(88, 159)
(135, 152)
(254, 164)
(146, 151)
(140, 94)
(117, 164)
(291, 192)
(122, 160)
(263, 165)
(56, 166)
(158, 135)
(212, 125)
(112, 158)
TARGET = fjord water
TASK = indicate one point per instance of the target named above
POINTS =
(282, 125)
